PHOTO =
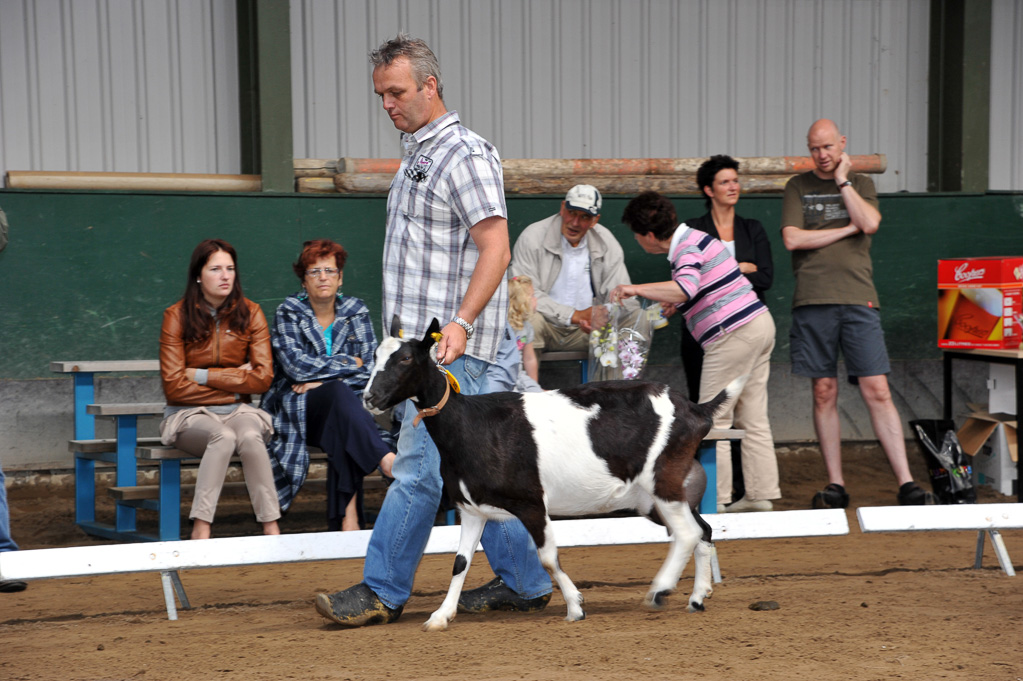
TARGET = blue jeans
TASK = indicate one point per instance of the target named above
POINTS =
(6, 543)
(410, 507)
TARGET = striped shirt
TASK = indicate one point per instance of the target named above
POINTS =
(450, 179)
(720, 298)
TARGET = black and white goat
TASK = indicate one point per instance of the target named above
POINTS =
(595, 448)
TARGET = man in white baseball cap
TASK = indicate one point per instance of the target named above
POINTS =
(574, 263)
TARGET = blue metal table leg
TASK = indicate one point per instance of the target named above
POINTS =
(127, 436)
(85, 429)
(170, 500)
(85, 490)
(708, 457)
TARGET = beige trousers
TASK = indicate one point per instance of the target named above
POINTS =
(557, 338)
(216, 438)
(746, 350)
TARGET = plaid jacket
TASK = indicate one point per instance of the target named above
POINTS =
(300, 356)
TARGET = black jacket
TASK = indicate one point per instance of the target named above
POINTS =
(751, 245)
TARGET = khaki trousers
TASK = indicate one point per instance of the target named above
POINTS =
(216, 438)
(551, 337)
(746, 350)
(557, 338)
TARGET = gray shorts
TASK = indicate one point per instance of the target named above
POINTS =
(818, 331)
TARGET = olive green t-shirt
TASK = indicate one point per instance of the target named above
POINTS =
(841, 273)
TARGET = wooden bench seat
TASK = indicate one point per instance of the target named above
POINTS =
(105, 449)
(107, 444)
(165, 497)
(143, 492)
(126, 409)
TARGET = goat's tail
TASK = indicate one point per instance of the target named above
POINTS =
(731, 390)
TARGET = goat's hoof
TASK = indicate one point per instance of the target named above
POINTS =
(695, 606)
(657, 600)
(435, 623)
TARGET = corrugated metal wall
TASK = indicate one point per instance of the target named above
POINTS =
(630, 78)
(119, 85)
(151, 85)
(1006, 160)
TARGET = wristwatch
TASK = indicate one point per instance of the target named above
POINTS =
(465, 325)
(847, 183)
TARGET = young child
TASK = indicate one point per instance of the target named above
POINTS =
(517, 367)
(521, 304)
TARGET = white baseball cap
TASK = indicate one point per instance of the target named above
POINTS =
(584, 197)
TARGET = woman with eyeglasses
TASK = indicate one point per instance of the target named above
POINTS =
(323, 345)
(214, 355)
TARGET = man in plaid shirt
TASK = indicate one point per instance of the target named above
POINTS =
(445, 256)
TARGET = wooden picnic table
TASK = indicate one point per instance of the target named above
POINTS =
(120, 451)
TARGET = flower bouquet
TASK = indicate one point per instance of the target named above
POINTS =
(619, 343)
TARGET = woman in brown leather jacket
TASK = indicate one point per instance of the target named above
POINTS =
(214, 355)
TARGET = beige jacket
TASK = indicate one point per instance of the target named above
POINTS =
(537, 255)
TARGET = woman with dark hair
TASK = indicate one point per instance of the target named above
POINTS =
(214, 355)
(732, 325)
(746, 240)
(323, 345)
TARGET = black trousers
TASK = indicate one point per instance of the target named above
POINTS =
(337, 423)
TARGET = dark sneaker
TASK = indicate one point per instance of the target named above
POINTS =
(911, 494)
(356, 606)
(12, 586)
(495, 595)
(832, 496)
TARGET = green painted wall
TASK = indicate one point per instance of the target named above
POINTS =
(88, 274)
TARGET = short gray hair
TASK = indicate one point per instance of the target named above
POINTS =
(422, 59)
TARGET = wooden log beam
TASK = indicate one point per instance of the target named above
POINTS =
(316, 185)
(33, 179)
(315, 167)
(610, 185)
(753, 165)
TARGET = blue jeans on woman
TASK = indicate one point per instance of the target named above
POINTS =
(403, 526)
(6, 543)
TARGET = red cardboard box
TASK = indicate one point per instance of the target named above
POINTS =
(979, 302)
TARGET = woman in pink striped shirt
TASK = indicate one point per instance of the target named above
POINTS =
(734, 328)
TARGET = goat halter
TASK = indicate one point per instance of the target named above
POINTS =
(450, 383)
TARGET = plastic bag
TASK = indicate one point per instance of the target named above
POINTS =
(619, 343)
(950, 472)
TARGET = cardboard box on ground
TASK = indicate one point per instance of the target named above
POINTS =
(994, 458)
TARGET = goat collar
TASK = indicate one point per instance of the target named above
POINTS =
(449, 381)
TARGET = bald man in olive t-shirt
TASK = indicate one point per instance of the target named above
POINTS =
(828, 217)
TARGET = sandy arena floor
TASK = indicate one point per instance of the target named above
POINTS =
(895, 606)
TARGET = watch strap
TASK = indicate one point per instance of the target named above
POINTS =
(465, 325)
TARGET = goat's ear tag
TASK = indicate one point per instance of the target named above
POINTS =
(436, 338)
(452, 381)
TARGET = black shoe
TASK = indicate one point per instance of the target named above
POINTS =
(495, 595)
(911, 494)
(832, 496)
(12, 586)
(356, 606)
